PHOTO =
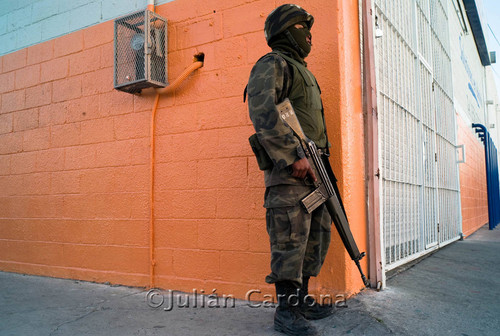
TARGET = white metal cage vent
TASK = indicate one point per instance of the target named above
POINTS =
(140, 52)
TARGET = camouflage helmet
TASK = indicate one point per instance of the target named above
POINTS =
(283, 17)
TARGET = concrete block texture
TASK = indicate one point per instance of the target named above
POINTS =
(75, 153)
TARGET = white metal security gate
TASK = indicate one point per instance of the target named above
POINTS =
(419, 194)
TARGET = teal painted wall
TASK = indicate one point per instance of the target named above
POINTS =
(27, 22)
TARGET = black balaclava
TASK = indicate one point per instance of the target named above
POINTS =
(294, 41)
(300, 35)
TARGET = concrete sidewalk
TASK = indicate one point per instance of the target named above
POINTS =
(455, 291)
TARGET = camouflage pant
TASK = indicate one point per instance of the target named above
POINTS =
(299, 241)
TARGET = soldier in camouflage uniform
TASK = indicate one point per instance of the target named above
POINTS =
(299, 241)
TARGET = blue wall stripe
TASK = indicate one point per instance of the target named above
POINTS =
(28, 22)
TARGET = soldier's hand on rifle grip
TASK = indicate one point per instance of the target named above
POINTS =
(302, 168)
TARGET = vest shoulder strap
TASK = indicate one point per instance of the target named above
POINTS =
(287, 80)
(306, 74)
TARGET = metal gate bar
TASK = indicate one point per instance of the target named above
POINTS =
(420, 197)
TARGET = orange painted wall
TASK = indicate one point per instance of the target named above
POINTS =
(74, 154)
(473, 190)
(74, 163)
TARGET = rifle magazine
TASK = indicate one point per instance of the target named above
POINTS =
(312, 201)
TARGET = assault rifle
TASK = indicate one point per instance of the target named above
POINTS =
(324, 191)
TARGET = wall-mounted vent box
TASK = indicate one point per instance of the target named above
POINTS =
(140, 52)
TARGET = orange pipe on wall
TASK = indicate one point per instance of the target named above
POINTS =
(152, 197)
(198, 63)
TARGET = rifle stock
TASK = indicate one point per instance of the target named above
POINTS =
(324, 192)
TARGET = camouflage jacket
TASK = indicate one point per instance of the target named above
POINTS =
(270, 82)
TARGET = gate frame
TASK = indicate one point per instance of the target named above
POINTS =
(376, 264)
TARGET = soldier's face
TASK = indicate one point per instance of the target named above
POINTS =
(307, 34)
(301, 34)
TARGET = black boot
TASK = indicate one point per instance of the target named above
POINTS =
(287, 317)
(309, 308)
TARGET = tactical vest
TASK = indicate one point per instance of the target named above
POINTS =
(304, 94)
